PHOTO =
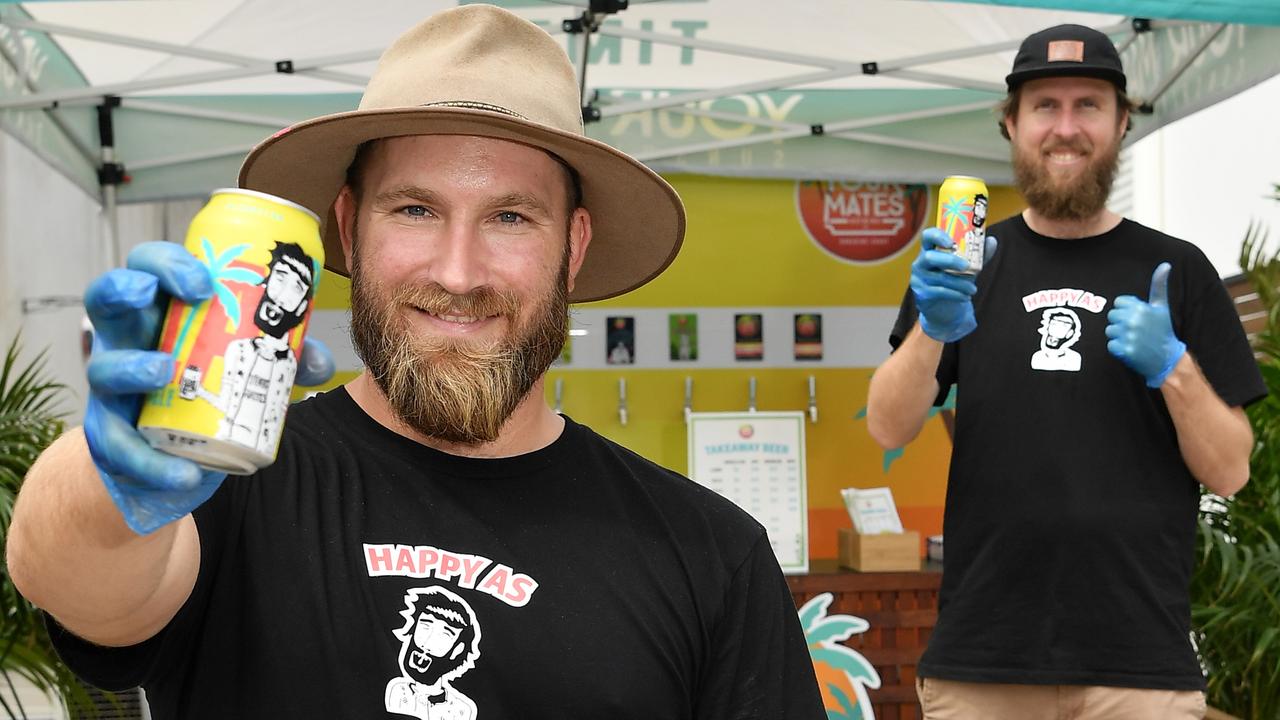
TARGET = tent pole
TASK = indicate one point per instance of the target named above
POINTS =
(779, 83)
(833, 68)
(946, 80)
(265, 67)
(588, 23)
(212, 154)
(110, 174)
(165, 108)
(714, 93)
(838, 125)
(842, 129)
(820, 61)
(1148, 105)
(829, 130)
(177, 50)
(110, 214)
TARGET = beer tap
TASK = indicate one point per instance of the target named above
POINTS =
(622, 401)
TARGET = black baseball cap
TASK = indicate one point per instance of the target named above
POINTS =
(1067, 51)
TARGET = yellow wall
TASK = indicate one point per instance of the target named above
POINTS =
(746, 247)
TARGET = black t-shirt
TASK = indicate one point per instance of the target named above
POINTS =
(1070, 515)
(365, 575)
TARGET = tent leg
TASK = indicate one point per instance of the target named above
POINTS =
(110, 174)
(586, 24)
(582, 59)
(110, 216)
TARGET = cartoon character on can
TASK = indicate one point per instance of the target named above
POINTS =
(237, 352)
(962, 213)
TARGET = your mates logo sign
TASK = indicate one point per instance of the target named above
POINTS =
(860, 222)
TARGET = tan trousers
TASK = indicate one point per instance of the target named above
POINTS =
(949, 700)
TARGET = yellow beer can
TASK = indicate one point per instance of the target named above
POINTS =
(962, 213)
(237, 352)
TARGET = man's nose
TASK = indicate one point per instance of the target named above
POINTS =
(1067, 125)
(462, 265)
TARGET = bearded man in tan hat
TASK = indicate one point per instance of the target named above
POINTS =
(433, 541)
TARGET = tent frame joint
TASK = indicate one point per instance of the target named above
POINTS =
(112, 173)
(589, 20)
(585, 24)
(1141, 25)
(284, 67)
(871, 68)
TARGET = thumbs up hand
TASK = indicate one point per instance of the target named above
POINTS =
(1141, 333)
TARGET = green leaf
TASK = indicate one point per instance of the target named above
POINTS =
(838, 628)
(814, 609)
(1235, 608)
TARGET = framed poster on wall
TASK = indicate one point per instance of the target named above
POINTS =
(756, 459)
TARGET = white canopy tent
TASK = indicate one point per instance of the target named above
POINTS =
(875, 90)
(882, 90)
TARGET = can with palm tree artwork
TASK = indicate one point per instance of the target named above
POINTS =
(236, 352)
(962, 213)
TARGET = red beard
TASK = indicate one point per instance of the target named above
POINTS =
(1078, 199)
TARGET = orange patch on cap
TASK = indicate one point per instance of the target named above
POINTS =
(1066, 51)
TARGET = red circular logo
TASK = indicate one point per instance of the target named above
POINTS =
(861, 222)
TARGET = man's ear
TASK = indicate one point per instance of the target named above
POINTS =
(345, 209)
(579, 239)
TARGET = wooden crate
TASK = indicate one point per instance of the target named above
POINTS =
(879, 553)
(1252, 315)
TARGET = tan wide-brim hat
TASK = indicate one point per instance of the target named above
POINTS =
(481, 70)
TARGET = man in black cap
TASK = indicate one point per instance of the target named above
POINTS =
(1074, 487)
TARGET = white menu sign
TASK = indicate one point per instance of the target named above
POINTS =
(756, 459)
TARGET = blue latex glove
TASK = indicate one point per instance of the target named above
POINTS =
(944, 300)
(1141, 333)
(126, 307)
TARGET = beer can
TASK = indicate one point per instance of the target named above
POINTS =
(236, 354)
(962, 213)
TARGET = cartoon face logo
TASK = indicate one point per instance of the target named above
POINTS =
(440, 641)
(979, 210)
(288, 288)
(441, 637)
(1059, 330)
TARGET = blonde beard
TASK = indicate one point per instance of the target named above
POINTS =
(459, 392)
